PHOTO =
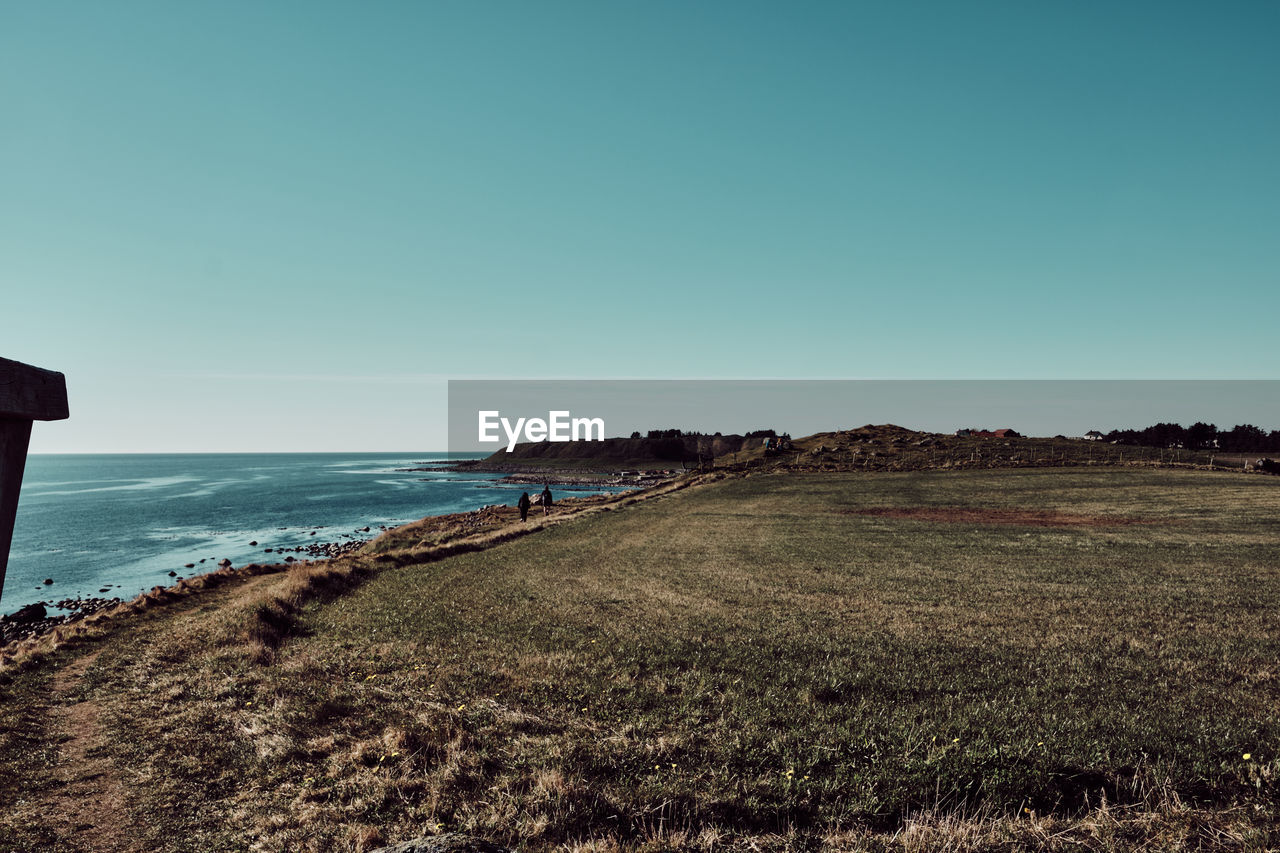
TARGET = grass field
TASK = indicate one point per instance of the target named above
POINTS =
(1007, 659)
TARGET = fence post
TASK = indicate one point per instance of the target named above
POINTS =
(26, 394)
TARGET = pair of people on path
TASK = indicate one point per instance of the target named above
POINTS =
(524, 503)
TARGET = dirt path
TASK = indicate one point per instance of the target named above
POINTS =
(88, 806)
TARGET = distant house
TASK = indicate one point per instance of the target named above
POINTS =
(1093, 435)
(989, 433)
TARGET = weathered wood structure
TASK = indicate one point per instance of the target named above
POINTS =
(26, 394)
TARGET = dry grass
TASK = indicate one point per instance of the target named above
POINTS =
(744, 667)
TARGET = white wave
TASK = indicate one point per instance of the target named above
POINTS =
(127, 486)
(395, 484)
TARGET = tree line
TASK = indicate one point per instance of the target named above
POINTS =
(680, 433)
(1242, 438)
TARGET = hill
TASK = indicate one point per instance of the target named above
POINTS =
(613, 454)
(884, 447)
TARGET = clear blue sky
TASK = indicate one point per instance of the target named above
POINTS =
(274, 226)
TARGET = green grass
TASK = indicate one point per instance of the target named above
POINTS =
(741, 664)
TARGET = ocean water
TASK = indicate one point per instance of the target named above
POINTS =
(124, 521)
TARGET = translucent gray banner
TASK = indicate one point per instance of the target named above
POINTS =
(512, 411)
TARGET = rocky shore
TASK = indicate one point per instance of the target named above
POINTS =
(35, 620)
(324, 550)
(42, 617)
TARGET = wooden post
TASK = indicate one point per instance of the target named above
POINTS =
(26, 394)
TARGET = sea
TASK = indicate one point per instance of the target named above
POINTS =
(115, 525)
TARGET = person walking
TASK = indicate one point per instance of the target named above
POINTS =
(524, 503)
(546, 499)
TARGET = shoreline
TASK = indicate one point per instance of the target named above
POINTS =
(37, 620)
(79, 553)
(71, 608)
(40, 618)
